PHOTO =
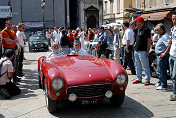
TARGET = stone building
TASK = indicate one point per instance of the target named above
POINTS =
(61, 13)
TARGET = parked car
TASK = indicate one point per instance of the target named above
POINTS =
(84, 79)
(38, 42)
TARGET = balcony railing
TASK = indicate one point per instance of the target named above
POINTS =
(109, 16)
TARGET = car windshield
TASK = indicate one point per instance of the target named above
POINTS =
(37, 38)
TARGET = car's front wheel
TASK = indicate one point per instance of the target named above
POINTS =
(117, 100)
(50, 104)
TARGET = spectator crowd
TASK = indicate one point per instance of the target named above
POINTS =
(131, 47)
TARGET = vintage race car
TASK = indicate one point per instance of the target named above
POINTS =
(82, 79)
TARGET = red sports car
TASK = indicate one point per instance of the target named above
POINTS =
(81, 78)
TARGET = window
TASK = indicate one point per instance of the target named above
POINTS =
(118, 6)
(105, 10)
(167, 2)
(138, 4)
(111, 6)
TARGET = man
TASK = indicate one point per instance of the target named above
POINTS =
(90, 34)
(21, 38)
(102, 41)
(172, 58)
(56, 35)
(81, 39)
(78, 50)
(162, 50)
(75, 35)
(116, 43)
(7, 89)
(141, 53)
(9, 40)
(128, 41)
(64, 42)
(56, 50)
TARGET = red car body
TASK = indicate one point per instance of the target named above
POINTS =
(80, 72)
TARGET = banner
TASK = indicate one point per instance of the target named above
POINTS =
(33, 24)
(5, 12)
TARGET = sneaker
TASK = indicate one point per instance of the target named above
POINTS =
(173, 98)
(160, 88)
(137, 81)
(157, 85)
(147, 83)
(171, 95)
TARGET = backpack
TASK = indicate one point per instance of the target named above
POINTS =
(1, 67)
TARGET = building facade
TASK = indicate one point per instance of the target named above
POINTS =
(114, 10)
(90, 13)
(158, 11)
(62, 13)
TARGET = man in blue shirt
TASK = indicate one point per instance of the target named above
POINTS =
(162, 50)
(102, 41)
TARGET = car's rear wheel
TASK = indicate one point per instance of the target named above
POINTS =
(117, 100)
(50, 104)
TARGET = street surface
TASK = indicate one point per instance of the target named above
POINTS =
(140, 101)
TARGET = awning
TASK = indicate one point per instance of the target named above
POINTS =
(157, 16)
(146, 16)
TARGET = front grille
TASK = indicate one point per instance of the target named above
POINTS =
(89, 90)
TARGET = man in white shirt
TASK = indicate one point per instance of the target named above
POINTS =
(57, 35)
(128, 41)
(81, 35)
(172, 58)
(78, 50)
(21, 38)
(56, 50)
(116, 43)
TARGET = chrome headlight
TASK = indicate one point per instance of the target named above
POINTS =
(57, 84)
(121, 79)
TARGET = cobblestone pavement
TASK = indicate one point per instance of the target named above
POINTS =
(140, 101)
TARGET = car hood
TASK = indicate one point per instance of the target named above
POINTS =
(82, 69)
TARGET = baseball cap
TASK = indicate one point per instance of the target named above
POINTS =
(139, 18)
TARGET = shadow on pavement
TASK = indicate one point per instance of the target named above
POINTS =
(28, 85)
(129, 109)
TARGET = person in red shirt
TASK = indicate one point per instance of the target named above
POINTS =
(9, 39)
(91, 34)
(75, 35)
(71, 39)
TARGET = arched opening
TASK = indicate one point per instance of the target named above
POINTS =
(92, 17)
(91, 22)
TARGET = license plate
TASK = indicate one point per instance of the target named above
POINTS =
(89, 101)
(41, 45)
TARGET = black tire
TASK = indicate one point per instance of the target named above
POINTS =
(117, 100)
(50, 104)
(39, 82)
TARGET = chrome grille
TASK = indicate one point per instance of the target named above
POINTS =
(89, 90)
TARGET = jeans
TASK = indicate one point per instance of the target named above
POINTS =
(142, 61)
(20, 62)
(172, 63)
(162, 70)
